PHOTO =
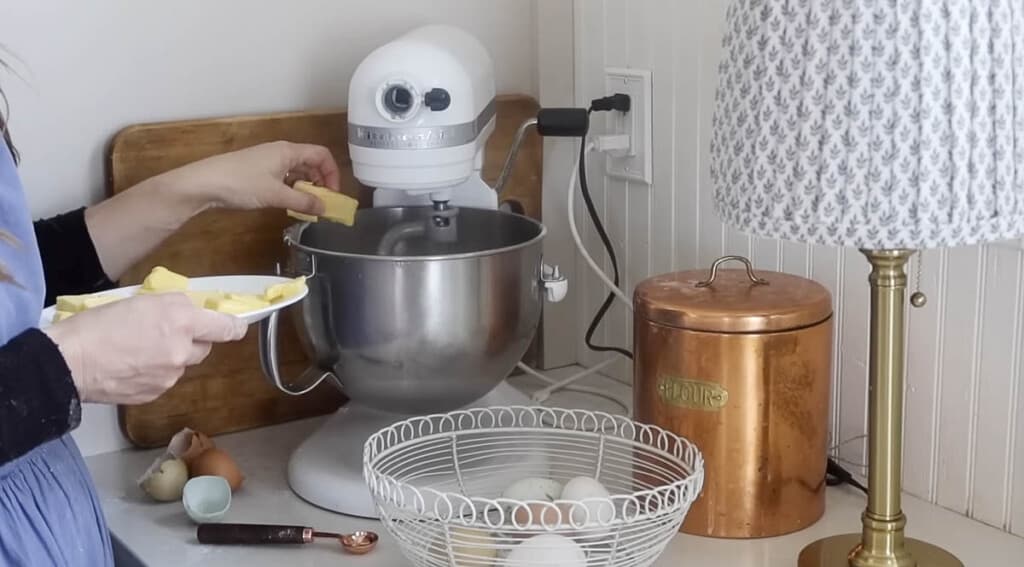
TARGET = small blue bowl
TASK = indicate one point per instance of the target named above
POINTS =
(206, 499)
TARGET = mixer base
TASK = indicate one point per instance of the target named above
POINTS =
(327, 469)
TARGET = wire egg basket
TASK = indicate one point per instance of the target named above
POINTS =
(442, 484)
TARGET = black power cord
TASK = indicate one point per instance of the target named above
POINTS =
(621, 103)
(836, 475)
(575, 123)
(606, 241)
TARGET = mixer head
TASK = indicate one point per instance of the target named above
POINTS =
(420, 111)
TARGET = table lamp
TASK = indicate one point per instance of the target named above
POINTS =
(889, 126)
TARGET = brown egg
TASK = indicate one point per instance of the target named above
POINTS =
(543, 515)
(216, 462)
(198, 443)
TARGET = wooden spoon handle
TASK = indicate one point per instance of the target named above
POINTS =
(244, 534)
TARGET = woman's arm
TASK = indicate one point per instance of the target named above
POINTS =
(128, 352)
(70, 262)
(133, 350)
(40, 400)
(129, 225)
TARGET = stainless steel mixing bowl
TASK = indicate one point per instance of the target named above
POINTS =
(429, 328)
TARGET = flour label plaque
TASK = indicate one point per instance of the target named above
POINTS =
(692, 394)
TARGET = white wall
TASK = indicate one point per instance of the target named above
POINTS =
(90, 68)
(555, 64)
(964, 444)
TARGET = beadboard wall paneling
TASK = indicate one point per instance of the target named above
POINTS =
(963, 435)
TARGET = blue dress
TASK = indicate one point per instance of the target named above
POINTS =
(49, 511)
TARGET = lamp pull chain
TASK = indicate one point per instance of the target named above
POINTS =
(918, 298)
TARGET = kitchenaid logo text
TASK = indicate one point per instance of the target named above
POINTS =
(377, 136)
(380, 136)
(411, 138)
(692, 394)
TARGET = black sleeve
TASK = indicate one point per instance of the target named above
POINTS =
(70, 262)
(38, 399)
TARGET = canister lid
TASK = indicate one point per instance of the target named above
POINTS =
(733, 302)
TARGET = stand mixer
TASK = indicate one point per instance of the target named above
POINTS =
(429, 301)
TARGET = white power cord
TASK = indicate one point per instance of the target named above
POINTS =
(573, 180)
(604, 143)
(842, 444)
(542, 395)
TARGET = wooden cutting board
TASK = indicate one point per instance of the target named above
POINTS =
(228, 392)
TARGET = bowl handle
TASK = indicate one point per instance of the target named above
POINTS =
(555, 285)
(272, 371)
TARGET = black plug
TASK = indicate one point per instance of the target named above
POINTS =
(575, 122)
(840, 475)
(563, 122)
(617, 101)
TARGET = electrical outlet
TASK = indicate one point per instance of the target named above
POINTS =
(633, 164)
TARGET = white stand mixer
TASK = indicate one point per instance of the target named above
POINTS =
(421, 109)
(327, 469)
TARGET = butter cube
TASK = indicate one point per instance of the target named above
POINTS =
(96, 300)
(301, 216)
(200, 298)
(71, 303)
(77, 303)
(163, 280)
(337, 207)
(257, 301)
(229, 306)
(61, 315)
(237, 303)
(282, 291)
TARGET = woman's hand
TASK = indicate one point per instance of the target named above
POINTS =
(131, 351)
(254, 178)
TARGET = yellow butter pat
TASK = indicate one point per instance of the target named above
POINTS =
(71, 303)
(61, 315)
(162, 280)
(257, 301)
(200, 298)
(236, 303)
(77, 303)
(229, 306)
(337, 207)
(282, 291)
(96, 300)
(235, 306)
(301, 216)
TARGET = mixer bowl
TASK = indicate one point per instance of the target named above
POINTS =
(432, 326)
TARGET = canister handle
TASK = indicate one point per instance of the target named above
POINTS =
(714, 271)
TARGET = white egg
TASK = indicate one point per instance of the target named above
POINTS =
(167, 481)
(547, 550)
(534, 488)
(584, 488)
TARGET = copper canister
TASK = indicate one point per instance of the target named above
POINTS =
(740, 363)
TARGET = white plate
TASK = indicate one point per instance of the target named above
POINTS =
(226, 284)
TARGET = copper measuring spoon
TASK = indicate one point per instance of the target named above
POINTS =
(357, 543)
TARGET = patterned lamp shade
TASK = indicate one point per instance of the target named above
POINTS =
(878, 124)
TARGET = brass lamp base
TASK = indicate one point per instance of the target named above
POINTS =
(835, 551)
(882, 543)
